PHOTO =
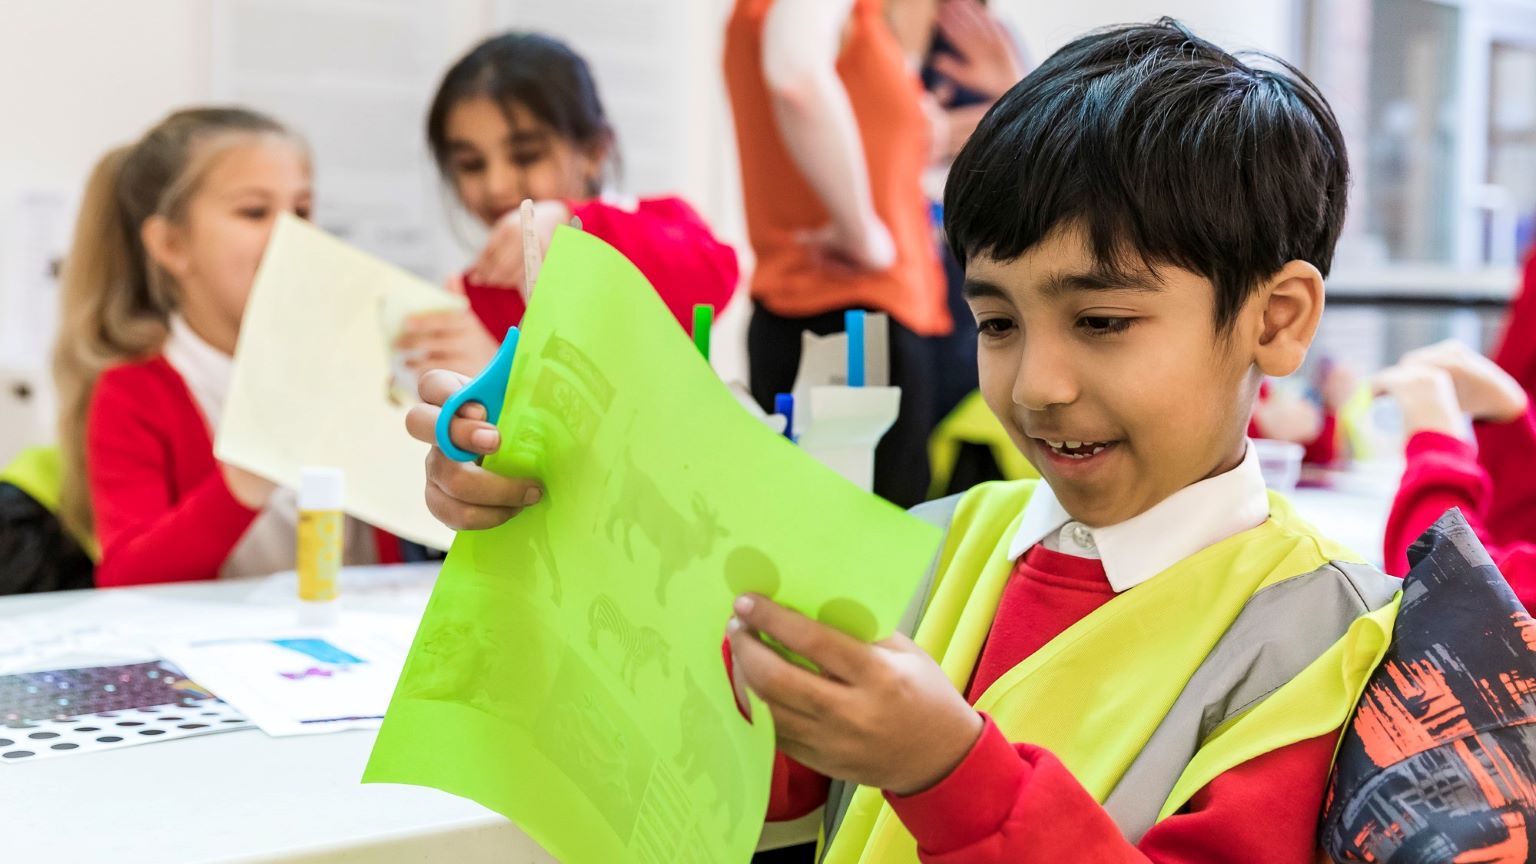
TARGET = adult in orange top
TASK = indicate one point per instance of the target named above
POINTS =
(834, 138)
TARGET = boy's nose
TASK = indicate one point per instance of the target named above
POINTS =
(1043, 379)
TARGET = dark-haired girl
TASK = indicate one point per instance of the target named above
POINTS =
(519, 117)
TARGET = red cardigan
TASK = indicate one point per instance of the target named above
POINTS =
(663, 237)
(163, 512)
(1517, 347)
(1494, 484)
(1018, 803)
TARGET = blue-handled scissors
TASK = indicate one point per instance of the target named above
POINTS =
(489, 388)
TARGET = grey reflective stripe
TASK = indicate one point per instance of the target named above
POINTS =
(1279, 632)
(940, 512)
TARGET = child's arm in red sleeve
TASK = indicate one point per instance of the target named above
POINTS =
(1324, 449)
(144, 537)
(1517, 346)
(796, 790)
(1444, 472)
(668, 242)
(1017, 803)
(1441, 473)
(1507, 452)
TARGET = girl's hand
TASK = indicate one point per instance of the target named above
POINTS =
(1426, 396)
(989, 62)
(1483, 390)
(453, 340)
(248, 488)
(501, 262)
(859, 248)
(882, 715)
(462, 495)
(1284, 416)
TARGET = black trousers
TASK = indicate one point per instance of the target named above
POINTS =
(901, 459)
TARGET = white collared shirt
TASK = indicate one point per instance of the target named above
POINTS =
(269, 544)
(1133, 551)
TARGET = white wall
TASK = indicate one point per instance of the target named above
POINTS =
(76, 77)
(1266, 25)
(80, 76)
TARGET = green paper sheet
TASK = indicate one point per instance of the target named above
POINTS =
(567, 671)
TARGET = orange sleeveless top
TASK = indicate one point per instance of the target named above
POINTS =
(781, 205)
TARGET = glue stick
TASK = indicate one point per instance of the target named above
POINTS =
(320, 533)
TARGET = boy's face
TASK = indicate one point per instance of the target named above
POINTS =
(1132, 373)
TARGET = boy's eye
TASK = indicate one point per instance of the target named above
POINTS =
(1102, 325)
(994, 327)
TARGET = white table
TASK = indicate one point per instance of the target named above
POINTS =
(1353, 508)
(244, 796)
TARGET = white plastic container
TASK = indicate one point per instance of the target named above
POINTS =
(1280, 462)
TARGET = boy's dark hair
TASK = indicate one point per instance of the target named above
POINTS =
(538, 72)
(1164, 149)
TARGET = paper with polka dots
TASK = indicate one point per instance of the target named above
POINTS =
(63, 712)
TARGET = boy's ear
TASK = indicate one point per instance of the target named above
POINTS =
(1290, 306)
(164, 245)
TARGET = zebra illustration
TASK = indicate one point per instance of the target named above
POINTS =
(638, 646)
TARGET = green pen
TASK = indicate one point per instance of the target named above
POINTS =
(703, 318)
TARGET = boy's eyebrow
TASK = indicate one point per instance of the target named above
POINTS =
(1062, 284)
(977, 289)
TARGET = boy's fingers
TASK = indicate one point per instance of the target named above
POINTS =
(838, 654)
(471, 484)
(465, 517)
(435, 386)
(780, 683)
(476, 436)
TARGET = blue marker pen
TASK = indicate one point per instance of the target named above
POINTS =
(784, 403)
(853, 322)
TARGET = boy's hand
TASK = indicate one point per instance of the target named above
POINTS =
(1483, 390)
(882, 715)
(462, 495)
(453, 340)
(1426, 396)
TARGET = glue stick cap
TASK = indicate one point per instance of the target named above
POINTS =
(320, 488)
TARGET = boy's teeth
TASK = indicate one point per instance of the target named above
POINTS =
(1056, 444)
(1073, 445)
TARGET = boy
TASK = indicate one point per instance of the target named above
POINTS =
(1142, 656)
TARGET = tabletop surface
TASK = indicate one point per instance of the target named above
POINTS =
(245, 796)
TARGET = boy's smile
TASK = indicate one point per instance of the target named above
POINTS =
(1115, 385)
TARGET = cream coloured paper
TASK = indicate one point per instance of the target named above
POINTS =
(314, 384)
